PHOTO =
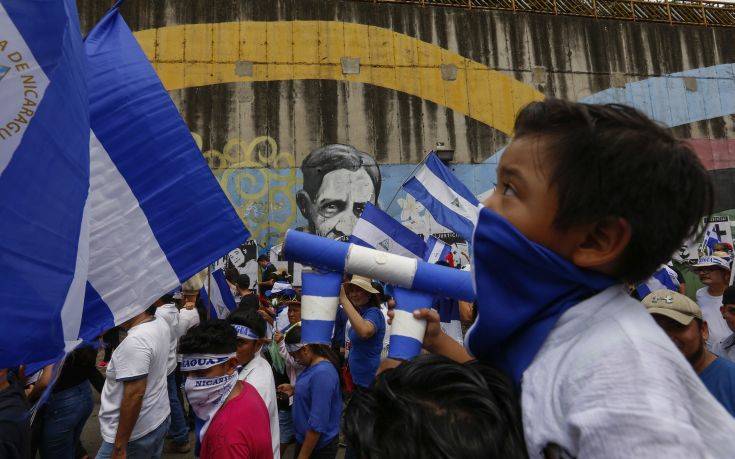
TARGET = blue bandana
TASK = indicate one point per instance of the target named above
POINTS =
(522, 290)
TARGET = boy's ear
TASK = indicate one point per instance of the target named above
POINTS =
(602, 245)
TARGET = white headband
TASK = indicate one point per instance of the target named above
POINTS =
(245, 332)
(193, 362)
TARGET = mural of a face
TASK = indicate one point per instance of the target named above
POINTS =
(338, 181)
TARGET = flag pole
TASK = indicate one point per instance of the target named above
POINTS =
(408, 177)
(209, 290)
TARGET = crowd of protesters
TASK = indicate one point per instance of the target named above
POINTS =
(619, 374)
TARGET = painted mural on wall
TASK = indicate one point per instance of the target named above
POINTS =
(306, 111)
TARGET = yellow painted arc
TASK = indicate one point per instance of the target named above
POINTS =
(193, 55)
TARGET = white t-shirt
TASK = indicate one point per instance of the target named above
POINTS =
(718, 329)
(187, 319)
(170, 314)
(608, 383)
(259, 374)
(143, 352)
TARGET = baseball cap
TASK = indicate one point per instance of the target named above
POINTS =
(673, 305)
(712, 261)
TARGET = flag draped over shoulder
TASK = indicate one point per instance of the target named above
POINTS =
(216, 294)
(44, 179)
(444, 196)
(158, 215)
(378, 230)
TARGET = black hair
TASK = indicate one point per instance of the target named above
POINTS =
(231, 272)
(333, 157)
(151, 310)
(264, 258)
(243, 281)
(250, 318)
(209, 337)
(612, 161)
(434, 407)
(728, 296)
(293, 336)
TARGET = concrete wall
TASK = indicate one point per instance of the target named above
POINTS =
(262, 83)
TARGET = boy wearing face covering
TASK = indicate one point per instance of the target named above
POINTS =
(589, 197)
(231, 418)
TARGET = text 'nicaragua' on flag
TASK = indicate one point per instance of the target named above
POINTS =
(217, 296)
(380, 231)
(158, 215)
(444, 196)
(44, 179)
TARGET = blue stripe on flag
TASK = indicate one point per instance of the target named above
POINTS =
(45, 180)
(224, 289)
(316, 331)
(403, 347)
(390, 227)
(436, 250)
(142, 130)
(436, 166)
(441, 213)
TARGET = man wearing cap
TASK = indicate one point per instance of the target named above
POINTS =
(682, 320)
(714, 272)
(280, 292)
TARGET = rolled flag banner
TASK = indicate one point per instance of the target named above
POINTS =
(319, 303)
(332, 255)
(407, 332)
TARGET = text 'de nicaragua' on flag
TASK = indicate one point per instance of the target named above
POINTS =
(158, 215)
(44, 179)
(446, 198)
(380, 231)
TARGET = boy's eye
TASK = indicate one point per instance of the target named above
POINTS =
(507, 190)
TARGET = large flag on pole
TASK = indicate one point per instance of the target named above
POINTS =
(216, 294)
(444, 196)
(44, 179)
(380, 231)
(158, 215)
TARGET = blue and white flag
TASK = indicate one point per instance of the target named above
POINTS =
(44, 179)
(664, 278)
(380, 231)
(158, 215)
(712, 238)
(436, 249)
(444, 196)
(216, 294)
(319, 303)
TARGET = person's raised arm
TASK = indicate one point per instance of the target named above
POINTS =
(364, 328)
(435, 340)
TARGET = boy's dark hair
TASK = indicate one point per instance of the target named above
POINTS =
(264, 257)
(728, 297)
(250, 318)
(243, 281)
(433, 407)
(612, 161)
(209, 337)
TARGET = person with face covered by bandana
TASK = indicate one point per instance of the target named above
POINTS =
(231, 417)
(589, 198)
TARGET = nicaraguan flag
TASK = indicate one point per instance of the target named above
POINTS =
(664, 278)
(216, 294)
(44, 179)
(158, 215)
(711, 238)
(444, 196)
(380, 231)
(436, 249)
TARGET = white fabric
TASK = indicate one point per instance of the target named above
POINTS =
(404, 324)
(71, 311)
(710, 305)
(374, 264)
(21, 83)
(453, 329)
(170, 314)
(207, 395)
(143, 352)
(127, 267)
(608, 383)
(259, 374)
(443, 193)
(319, 307)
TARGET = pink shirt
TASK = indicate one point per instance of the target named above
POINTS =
(241, 428)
